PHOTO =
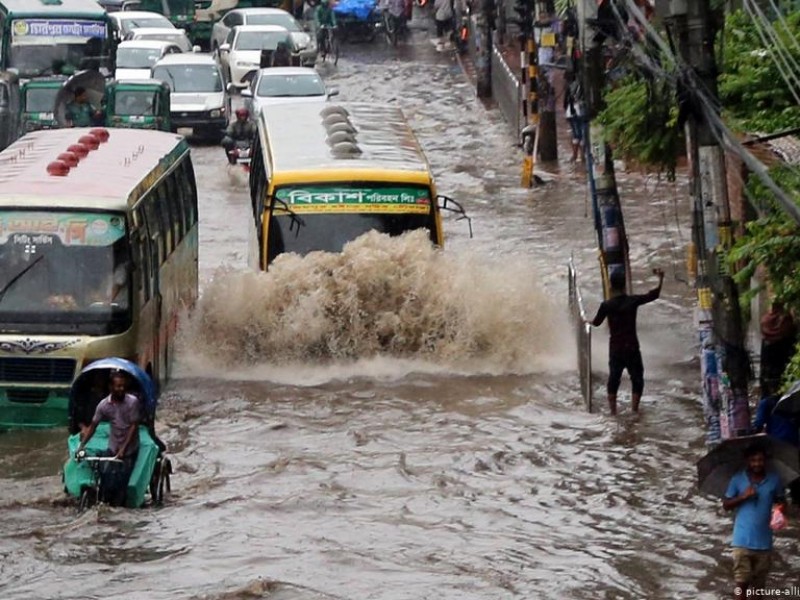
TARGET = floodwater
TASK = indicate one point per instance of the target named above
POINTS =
(328, 446)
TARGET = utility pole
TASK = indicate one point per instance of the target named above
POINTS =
(612, 239)
(724, 362)
(529, 79)
(484, 24)
(546, 40)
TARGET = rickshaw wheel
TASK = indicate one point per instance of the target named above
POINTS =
(86, 500)
(162, 486)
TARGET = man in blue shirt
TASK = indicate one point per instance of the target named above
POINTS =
(752, 493)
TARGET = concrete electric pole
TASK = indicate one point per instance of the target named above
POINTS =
(724, 361)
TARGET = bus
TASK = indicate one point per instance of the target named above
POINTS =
(54, 37)
(98, 258)
(322, 174)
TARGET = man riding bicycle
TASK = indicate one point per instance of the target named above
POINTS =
(324, 18)
(395, 10)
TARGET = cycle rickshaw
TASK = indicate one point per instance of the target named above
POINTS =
(83, 475)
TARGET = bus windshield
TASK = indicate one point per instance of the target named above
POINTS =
(58, 47)
(326, 217)
(64, 272)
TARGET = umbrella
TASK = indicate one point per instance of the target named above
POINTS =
(715, 469)
(789, 404)
(92, 81)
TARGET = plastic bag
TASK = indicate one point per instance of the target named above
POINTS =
(778, 520)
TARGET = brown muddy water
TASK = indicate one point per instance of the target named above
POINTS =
(327, 446)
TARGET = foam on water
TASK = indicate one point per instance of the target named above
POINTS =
(382, 297)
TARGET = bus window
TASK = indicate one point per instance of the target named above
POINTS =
(187, 183)
(175, 202)
(141, 254)
(164, 213)
(158, 245)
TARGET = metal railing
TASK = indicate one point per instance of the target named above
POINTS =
(507, 90)
(583, 335)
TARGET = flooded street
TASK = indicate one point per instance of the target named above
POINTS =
(464, 470)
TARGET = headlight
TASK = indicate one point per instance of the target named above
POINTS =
(216, 113)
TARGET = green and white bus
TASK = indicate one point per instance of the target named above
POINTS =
(98, 258)
(54, 37)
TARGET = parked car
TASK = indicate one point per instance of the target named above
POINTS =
(279, 85)
(37, 103)
(241, 52)
(163, 34)
(306, 44)
(135, 58)
(128, 20)
(9, 108)
(198, 98)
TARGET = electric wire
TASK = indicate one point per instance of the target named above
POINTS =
(773, 47)
(690, 79)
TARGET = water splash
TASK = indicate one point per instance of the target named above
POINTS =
(380, 297)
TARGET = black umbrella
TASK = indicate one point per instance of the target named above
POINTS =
(715, 469)
(94, 84)
(789, 404)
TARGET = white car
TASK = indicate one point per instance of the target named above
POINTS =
(198, 100)
(305, 43)
(164, 34)
(281, 85)
(128, 20)
(135, 59)
(241, 52)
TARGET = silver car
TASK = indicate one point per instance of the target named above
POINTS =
(281, 85)
(303, 41)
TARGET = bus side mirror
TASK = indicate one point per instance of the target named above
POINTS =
(450, 205)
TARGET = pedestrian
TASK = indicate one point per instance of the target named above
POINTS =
(752, 493)
(623, 343)
(778, 339)
(573, 112)
(443, 14)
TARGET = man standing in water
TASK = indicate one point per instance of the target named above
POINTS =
(623, 343)
(752, 493)
(122, 411)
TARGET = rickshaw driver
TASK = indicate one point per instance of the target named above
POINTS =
(123, 412)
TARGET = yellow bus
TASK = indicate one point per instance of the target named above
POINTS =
(98, 257)
(322, 174)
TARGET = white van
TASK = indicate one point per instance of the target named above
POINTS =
(198, 100)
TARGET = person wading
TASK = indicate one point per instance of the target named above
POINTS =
(623, 343)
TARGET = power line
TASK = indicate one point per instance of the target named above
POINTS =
(774, 47)
(719, 129)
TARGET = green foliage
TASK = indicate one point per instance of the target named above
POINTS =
(754, 95)
(640, 121)
(773, 243)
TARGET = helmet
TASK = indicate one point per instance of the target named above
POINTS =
(242, 113)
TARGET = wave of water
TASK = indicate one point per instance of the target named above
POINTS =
(383, 296)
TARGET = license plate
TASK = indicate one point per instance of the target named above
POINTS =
(185, 131)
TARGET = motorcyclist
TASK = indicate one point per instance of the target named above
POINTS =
(324, 17)
(240, 130)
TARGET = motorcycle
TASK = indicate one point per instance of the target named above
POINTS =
(240, 155)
